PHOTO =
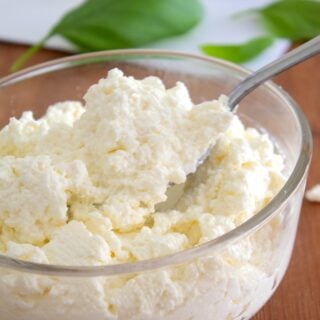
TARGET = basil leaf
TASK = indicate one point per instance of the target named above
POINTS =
(295, 19)
(113, 24)
(238, 53)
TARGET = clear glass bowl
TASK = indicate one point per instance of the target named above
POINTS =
(198, 283)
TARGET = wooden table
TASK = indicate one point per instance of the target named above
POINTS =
(298, 297)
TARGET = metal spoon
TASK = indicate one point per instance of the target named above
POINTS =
(303, 52)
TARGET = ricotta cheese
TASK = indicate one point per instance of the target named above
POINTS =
(79, 187)
(313, 194)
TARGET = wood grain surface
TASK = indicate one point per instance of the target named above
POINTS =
(298, 296)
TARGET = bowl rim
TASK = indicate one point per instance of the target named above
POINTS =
(298, 173)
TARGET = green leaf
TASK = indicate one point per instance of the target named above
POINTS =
(238, 53)
(26, 56)
(295, 19)
(113, 24)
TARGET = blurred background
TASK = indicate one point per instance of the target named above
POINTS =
(27, 22)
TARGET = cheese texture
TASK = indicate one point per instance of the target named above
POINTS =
(79, 187)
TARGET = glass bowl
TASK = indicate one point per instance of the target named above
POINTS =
(198, 283)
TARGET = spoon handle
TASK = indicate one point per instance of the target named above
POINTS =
(288, 60)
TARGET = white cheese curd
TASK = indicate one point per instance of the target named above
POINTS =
(33, 199)
(79, 187)
(313, 194)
